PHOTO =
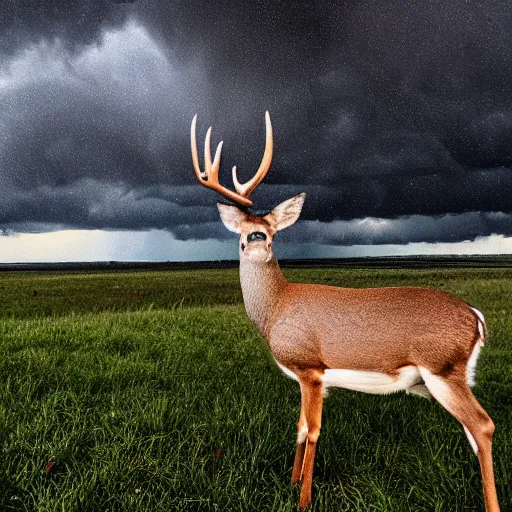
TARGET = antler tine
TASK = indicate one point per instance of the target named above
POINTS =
(211, 169)
(207, 153)
(216, 162)
(210, 178)
(247, 188)
(195, 158)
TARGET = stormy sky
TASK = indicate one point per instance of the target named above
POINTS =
(394, 117)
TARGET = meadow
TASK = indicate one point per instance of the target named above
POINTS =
(151, 391)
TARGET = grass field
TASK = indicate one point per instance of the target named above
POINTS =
(150, 391)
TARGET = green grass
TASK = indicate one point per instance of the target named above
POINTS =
(151, 391)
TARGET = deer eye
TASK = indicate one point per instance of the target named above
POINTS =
(256, 235)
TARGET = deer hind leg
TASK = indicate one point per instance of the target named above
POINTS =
(453, 393)
(311, 411)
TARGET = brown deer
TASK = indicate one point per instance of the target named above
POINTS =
(375, 340)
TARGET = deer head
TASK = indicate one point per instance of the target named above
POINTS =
(256, 231)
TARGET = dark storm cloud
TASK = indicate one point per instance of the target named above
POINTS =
(395, 110)
(75, 23)
(94, 205)
(402, 230)
(97, 205)
(370, 231)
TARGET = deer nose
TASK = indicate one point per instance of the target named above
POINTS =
(256, 235)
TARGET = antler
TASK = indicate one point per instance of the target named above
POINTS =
(210, 178)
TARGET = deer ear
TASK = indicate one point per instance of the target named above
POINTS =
(231, 216)
(286, 213)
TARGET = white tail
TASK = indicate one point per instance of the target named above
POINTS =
(375, 340)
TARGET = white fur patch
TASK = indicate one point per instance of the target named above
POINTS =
(479, 314)
(481, 323)
(437, 386)
(471, 440)
(372, 382)
(471, 367)
(287, 372)
(302, 434)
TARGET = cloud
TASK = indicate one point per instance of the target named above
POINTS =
(447, 228)
(397, 116)
(111, 111)
(99, 205)
(75, 24)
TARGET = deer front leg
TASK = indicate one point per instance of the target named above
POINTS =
(311, 387)
(302, 431)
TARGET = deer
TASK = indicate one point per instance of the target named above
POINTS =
(374, 340)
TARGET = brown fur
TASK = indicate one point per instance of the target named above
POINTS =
(374, 329)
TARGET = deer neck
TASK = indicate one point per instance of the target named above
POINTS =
(262, 283)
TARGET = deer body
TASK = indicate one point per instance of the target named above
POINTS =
(375, 340)
(381, 330)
